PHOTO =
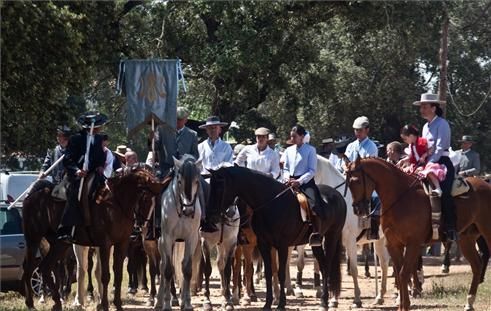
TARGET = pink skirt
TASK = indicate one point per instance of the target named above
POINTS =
(439, 170)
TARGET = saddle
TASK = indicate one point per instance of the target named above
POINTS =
(460, 186)
(59, 191)
(305, 209)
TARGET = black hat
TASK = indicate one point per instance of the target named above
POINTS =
(64, 130)
(86, 119)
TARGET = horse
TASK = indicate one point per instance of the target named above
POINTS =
(406, 217)
(353, 235)
(181, 213)
(118, 206)
(225, 240)
(277, 223)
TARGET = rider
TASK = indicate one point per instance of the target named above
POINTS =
(74, 163)
(437, 133)
(212, 152)
(260, 156)
(470, 163)
(300, 165)
(365, 147)
(52, 155)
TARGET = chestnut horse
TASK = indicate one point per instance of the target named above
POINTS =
(126, 199)
(406, 217)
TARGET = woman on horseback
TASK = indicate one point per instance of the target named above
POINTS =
(437, 133)
(300, 166)
(417, 159)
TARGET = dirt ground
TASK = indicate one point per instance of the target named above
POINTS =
(434, 280)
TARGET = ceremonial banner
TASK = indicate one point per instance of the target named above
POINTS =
(151, 89)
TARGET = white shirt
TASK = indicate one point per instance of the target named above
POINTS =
(213, 156)
(108, 166)
(266, 161)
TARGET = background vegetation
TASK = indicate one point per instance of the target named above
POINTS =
(257, 63)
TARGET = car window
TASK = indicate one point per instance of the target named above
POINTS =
(10, 221)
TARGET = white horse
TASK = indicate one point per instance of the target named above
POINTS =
(181, 213)
(225, 240)
(329, 175)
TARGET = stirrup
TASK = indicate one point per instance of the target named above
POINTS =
(315, 240)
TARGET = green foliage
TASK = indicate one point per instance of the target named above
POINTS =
(258, 63)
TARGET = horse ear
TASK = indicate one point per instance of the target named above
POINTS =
(177, 163)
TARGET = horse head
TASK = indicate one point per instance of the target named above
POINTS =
(222, 194)
(187, 177)
(361, 186)
(135, 190)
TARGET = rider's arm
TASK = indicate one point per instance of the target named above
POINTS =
(241, 157)
(312, 167)
(442, 141)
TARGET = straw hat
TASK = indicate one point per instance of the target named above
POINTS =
(428, 98)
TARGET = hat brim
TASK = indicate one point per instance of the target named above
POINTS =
(99, 120)
(418, 103)
(465, 141)
(221, 124)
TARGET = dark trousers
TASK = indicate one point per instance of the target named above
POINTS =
(313, 196)
(72, 215)
(448, 205)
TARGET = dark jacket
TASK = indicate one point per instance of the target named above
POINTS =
(75, 153)
(51, 157)
(187, 142)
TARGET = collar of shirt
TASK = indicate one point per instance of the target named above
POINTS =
(212, 145)
(436, 116)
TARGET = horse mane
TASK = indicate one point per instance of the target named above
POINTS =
(41, 184)
(392, 167)
(258, 175)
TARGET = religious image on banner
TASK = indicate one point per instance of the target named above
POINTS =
(151, 89)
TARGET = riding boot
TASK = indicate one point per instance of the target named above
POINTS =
(374, 227)
(317, 280)
(299, 278)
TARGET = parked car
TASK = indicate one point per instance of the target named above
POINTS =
(12, 242)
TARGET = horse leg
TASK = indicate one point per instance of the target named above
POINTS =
(300, 265)
(446, 257)
(396, 254)
(366, 254)
(98, 270)
(351, 251)
(29, 266)
(56, 252)
(120, 250)
(249, 293)
(224, 260)
(274, 269)
(383, 256)
(468, 248)
(266, 254)
(236, 275)
(207, 305)
(81, 253)
(166, 274)
(483, 248)
(282, 266)
(288, 281)
(187, 272)
(90, 267)
(409, 266)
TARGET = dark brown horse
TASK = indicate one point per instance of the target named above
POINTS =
(406, 217)
(128, 197)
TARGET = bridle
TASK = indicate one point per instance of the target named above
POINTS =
(367, 198)
(182, 206)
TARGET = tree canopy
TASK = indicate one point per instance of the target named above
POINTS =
(258, 63)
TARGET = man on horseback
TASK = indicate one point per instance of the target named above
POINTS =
(84, 156)
(365, 147)
(437, 133)
(62, 136)
(212, 152)
(300, 166)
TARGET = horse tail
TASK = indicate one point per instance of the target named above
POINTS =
(335, 271)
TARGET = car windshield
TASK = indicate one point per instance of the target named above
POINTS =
(10, 221)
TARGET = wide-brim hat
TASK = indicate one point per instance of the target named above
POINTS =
(327, 140)
(467, 138)
(121, 150)
(212, 121)
(428, 98)
(340, 145)
(86, 119)
(261, 131)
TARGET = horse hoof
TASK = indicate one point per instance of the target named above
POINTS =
(469, 308)
(276, 301)
(150, 302)
(356, 305)
(368, 275)
(445, 269)
(298, 293)
(332, 304)
(378, 301)
(318, 293)
(290, 292)
(175, 302)
(246, 301)
(229, 307)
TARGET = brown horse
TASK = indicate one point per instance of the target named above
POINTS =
(406, 217)
(129, 196)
